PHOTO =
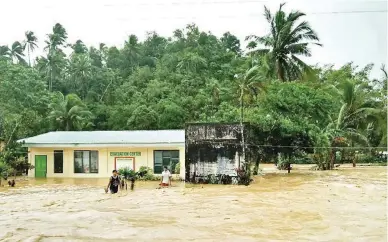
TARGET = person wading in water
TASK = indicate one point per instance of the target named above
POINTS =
(114, 183)
(166, 178)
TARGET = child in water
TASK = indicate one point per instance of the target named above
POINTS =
(166, 178)
(114, 183)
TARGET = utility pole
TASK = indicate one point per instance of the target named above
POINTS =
(241, 124)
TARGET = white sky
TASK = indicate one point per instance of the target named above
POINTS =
(357, 37)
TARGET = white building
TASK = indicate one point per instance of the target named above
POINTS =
(97, 153)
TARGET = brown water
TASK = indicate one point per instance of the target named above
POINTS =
(343, 205)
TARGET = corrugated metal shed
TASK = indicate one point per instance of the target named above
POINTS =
(107, 138)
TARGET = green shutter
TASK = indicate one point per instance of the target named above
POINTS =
(166, 162)
(175, 154)
(158, 162)
(169, 158)
(166, 154)
(93, 161)
(78, 167)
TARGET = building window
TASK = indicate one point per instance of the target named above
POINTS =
(85, 161)
(58, 161)
(169, 158)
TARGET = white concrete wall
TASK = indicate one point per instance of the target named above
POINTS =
(105, 161)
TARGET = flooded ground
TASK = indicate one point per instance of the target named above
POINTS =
(348, 204)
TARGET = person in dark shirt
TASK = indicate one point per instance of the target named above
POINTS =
(114, 183)
(11, 183)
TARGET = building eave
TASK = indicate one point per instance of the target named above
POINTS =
(126, 145)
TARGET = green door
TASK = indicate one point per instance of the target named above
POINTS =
(40, 166)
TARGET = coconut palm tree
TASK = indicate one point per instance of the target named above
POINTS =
(54, 61)
(80, 68)
(57, 38)
(131, 52)
(30, 44)
(357, 114)
(213, 88)
(51, 66)
(191, 62)
(286, 42)
(5, 53)
(384, 95)
(69, 113)
(16, 52)
(103, 51)
(79, 47)
(250, 82)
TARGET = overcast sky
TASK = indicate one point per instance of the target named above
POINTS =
(357, 37)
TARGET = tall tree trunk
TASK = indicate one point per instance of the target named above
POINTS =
(28, 52)
(279, 71)
(242, 127)
(13, 131)
(256, 169)
(354, 155)
(106, 89)
(289, 163)
(241, 106)
(51, 81)
(332, 159)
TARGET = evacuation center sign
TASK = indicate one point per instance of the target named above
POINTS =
(125, 153)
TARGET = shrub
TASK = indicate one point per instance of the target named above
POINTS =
(4, 169)
(20, 165)
(303, 160)
(371, 159)
(322, 161)
(178, 168)
(127, 172)
(282, 164)
(149, 174)
(145, 169)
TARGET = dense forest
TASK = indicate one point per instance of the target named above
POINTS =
(194, 76)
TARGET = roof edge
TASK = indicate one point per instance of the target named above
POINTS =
(139, 145)
(28, 138)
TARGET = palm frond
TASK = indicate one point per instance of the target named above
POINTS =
(310, 34)
(267, 14)
(332, 89)
(373, 112)
(357, 137)
(287, 38)
(341, 115)
(303, 66)
(295, 15)
(266, 40)
(250, 37)
(299, 49)
(4, 51)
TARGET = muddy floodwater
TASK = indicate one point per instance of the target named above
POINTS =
(348, 204)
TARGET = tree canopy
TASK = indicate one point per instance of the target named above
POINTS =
(164, 82)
